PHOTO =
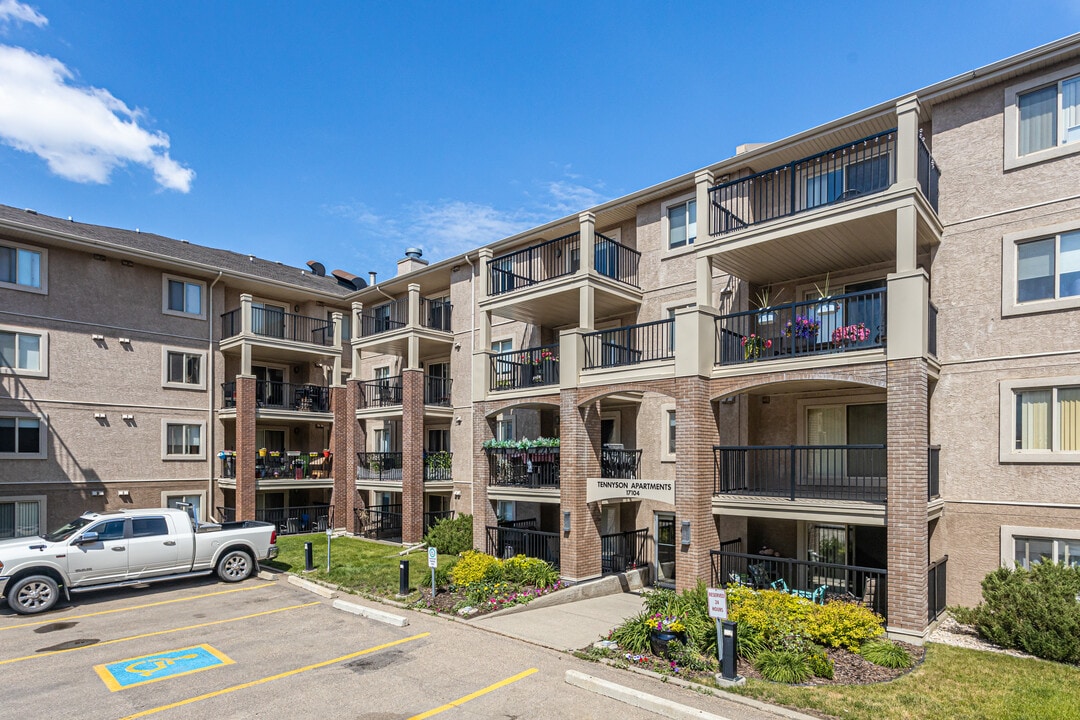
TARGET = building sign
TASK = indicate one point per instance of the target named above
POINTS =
(617, 489)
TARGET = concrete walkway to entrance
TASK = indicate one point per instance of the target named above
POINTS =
(570, 626)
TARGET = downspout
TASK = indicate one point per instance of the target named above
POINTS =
(210, 375)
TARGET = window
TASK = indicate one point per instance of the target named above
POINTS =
(22, 353)
(667, 441)
(19, 518)
(22, 436)
(1042, 118)
(438, 440)
(194, 499)
(1028, 551)
(504, 427)
(148, 527)
(183, 368)
(681, 223)
(1048, 269)
(22, 267)
(182, 440)
(183, 297)
(1040, 421)
(504, 510)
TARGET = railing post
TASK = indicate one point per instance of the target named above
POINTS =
(414, 306)
(587, 243)
(794, 453)
(908, 111)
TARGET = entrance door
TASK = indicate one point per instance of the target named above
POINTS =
(665, 549)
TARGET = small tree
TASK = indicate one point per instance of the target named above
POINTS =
(451, 536)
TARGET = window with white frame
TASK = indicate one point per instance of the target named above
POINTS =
(182, 296)
(183, 440)
(667, 449)
(504, 427)
(22, 352)
(19, 518)
(1041, 420)
(23, 267)
(681, 223)
(1042, 118)
(183, 368)
(22, 436)
(1028, 551)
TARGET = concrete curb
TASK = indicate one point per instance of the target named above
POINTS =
(312, 587)
(371, 613)
(652, 703)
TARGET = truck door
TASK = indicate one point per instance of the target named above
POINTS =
(102, 561)
(153, 549)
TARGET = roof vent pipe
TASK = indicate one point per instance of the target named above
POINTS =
(371, 277)
(414, 253)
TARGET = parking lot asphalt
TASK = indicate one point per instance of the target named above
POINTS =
(268, 649)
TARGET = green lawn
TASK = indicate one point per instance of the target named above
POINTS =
(359, 565)
(952, 683)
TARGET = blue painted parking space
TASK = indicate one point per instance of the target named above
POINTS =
(155, 667)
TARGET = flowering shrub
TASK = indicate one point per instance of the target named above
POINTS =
(850, 334)
(524, 444)
(753, 345)
(842, 624)
(662, 623)
(474, 567)
(802, 327)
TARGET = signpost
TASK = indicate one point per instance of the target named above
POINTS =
(433, 562)
(328, 532)
(725, 633)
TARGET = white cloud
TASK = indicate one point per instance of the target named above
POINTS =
(13, 11)
(83, 133)
(568, 197)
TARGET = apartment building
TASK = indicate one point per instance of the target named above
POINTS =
(852, 371)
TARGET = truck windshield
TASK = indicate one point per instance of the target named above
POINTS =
(68, 530)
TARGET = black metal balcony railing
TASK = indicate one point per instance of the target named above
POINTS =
(929, 174)
(437, 391)
(936, 576)
(830, 472)
(383, 392)
(272, 323)
(624, 551)
(384, 318)
(436, 314)
(230, 323)
(536, 468)
(864, 585)
(438, 466)
(507, 542)
(560, 257)
(854, 170)
(619, 463)
(933, 487)
(380, 521)
(531, 367)
(289, 520)
(378, 466)
(842, 323)
(286, 396)
(630, 345)
(288, 464)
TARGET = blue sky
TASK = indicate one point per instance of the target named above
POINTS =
(345, 132)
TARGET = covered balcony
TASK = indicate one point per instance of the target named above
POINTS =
(532, 469)
(289, 397)
(282, 464)
(387, 466)
(382, 392)
(618, 462)
(387, 326)
(533, 367)
(819, 472)
(630, 345)
(276, 333)
(289, 520)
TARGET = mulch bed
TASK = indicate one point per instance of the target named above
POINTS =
(448, 601)
(850, 668)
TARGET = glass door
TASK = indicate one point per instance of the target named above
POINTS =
(665, 550)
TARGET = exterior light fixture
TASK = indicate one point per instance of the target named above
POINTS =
(566, 521)
(685, 532)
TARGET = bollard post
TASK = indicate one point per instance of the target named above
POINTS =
(730, 638)
(309, 565)
(403, 578)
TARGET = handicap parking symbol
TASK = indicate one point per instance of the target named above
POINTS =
(158, 666)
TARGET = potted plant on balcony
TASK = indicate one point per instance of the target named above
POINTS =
(765, 302)
(803, 331)
(825, 304)
(850, 335)
(754, 345)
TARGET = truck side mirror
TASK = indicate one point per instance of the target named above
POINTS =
(87, 538)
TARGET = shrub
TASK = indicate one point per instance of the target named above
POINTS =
(886, 654)
(633, 634)
(1034, 610)
(451, 536)
(770, 614)
(820, 664)
(841, 624)
(474, 567)
(785, 666)
(442, 576)
(529, 571)
(688, 656)
(691, 609)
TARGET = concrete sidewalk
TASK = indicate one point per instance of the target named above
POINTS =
(570, 626)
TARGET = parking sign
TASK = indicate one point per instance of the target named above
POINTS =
(717, 603)
(432, 557)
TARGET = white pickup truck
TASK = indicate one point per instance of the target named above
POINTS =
(124, 548)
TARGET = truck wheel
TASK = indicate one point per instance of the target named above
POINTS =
(33, 594)
(235, 566)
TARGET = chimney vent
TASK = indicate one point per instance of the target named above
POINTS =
(414, 253)
(317, 268)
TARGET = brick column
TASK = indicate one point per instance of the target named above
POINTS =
(579, 458)
(245, 447)
(482, 512)
(696, 434)
(412, 455)
(908, 539)
(359, 444)
(343, 400)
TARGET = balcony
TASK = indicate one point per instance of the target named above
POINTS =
(381, 393)
(529, 368)
(620, 463)
(290, 397)
(533, 469)
(437, 391)
(274, 329)
(796, 472)
(386, 328)
(624, 551)
(289, 520)
(840, 324)
(282, 465)
(383, 318)
(380, 466)
(507, 542)
(630, 345)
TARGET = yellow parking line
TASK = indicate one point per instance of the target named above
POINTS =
(279, 676)
(153, 634)
(473, 696)
(56, 618)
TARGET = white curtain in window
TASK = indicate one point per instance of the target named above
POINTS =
(1069, 419)
(1038, 120)
(26, 519)
(1033, 418)
(1070, 109)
